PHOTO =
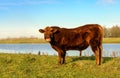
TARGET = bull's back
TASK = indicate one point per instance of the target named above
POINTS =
(76, 37)
(95, 29)
(91, 27)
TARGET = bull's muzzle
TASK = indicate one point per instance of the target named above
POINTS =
(48, 39)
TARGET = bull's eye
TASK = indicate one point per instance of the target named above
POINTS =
(51, 31)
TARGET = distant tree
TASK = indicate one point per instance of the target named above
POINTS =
(115, 31)
(107, 32)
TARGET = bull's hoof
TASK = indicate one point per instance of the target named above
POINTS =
(64, 63)
(57, 65)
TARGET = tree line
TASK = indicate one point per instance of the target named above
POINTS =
(111, 32)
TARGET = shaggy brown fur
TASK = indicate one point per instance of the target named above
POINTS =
(63, 39)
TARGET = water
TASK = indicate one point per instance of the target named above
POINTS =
(109, 50)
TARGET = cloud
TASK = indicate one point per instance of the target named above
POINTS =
(105, 2)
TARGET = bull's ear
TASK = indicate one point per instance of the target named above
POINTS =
(41, 30)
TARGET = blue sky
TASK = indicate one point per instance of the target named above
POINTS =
(23, 18)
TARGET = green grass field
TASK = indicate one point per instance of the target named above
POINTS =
(36, 66)
(36, 40)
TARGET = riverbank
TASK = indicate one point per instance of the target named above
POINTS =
(21, 40)
(38, 40)
(43, 66)
(111, 40)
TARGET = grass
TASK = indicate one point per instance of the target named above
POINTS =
(36, 66)
(37, 40)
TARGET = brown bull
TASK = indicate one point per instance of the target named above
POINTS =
(63, 39)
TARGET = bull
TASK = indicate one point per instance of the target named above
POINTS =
(64, 39)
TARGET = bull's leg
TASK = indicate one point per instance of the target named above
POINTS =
(98, 57)
(63, 57)
(97, 54)
(61, 54)
(100, 52)
(80, 52)
(59, 57)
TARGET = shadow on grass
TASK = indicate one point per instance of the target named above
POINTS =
(104, 59)
(83, 58)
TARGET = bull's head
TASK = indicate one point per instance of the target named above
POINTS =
(48, 32)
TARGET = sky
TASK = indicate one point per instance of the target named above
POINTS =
(23, 18)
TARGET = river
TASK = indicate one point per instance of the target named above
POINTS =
(109, 50)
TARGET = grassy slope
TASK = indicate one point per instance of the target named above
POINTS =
(36, 66)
